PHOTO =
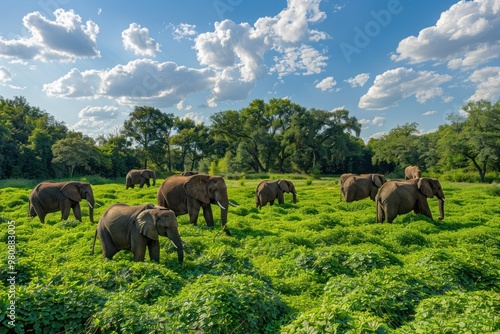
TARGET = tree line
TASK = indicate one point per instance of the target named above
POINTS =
(278, 136)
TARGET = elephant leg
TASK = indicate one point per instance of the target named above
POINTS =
(423, 208)
(147, 183)
(141, 183)
(154, 250)
(281, 198)
(139, 249)
(65, 209)
(208, 215)
(193, 216)
(108, 247)
(77, 211)
(271, 202)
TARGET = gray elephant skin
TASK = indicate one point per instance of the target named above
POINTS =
(188, 194)
(412, 172)
(358, 187)
(400, 197)
(140, 177)
(124, 227)
(49, 196)
(268, 191)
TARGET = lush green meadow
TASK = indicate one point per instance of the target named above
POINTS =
(318, 266)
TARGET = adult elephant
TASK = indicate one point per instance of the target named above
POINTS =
(51, 196)
(188, 194)
(267, 191)
(358, 187)
(124, 227)
(140, 177)
(400, 197)
(412, 172)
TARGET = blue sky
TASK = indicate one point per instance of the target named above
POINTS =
(390, 62)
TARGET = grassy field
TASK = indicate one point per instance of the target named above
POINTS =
(318, 266)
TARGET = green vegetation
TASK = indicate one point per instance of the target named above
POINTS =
(318, 266)
(277, 136)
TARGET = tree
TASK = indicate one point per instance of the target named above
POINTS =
(73, 151)
(193, 141)
(400, 146)
(150, 130)
(475, 137)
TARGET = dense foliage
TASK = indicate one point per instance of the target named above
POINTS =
(278, 136)
(318, 266)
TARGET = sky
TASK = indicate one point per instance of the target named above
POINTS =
(388, 62)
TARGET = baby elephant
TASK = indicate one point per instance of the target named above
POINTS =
(268, 191)
(135, 228)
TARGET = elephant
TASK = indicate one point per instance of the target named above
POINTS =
(187, 194)
(267, 191)
(342, 179)
(399, 197)
(125, 227)
(412, 172)
(50, 196)
(140, 177)
(358, 187)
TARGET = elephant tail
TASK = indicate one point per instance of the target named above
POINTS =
(93, 245)
(380, 212)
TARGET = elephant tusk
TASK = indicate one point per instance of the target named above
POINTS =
(90, 205)
(223, 208)
(173, 243)
(232, 204)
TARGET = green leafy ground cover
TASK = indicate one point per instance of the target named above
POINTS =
(318, 266)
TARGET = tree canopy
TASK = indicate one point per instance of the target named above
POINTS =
(275, 136)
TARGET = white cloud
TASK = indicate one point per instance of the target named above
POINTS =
(326, 84)
(430, 112)
(359, 80)
(487, 82)
(465, 36)
(95, 121)
(197, 118)
(395, 85)
(139, 81)
(64, 39)
(184, 30)
(137, 39)
(377, 121)
(239, 49)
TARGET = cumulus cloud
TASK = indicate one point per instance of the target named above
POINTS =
(139, 81)
(430, 112)
(64, 39)
(465, 36)
(377, 121)
(326, 84)
(97, 120)
(137, 39)
(359, 80)
(395, 85)
(184, 30)
(239, 49)
(487, 82)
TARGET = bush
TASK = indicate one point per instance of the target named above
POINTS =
(228, 304)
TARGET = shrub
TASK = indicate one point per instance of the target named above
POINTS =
(228, 304)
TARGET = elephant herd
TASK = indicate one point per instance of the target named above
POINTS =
(137, 227)
(394, 197)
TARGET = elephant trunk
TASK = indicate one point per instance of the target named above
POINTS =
(91, 203)
(177, 242)
(441, 208)
(294, 198)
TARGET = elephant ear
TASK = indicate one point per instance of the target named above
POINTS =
(147, 225)
(195, 186)
(71, 191)
(378, 180)
(425, 187)
(284, 185)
